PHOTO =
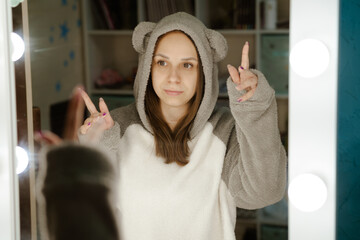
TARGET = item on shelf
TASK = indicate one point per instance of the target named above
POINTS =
(109, 78)
(157, 9)
(114, 14)
(125, 12)
(244, 14)
(221, 14)
(270, 14)
(284, 24)
(99, 21)
(107, 15)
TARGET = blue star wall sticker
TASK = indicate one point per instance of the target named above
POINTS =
(58, 86)
(64, 2)
(64, 31)
(72, 54)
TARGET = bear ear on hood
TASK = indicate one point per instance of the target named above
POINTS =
(218, 44)
(141, 35)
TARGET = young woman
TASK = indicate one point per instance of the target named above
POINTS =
(183, 166)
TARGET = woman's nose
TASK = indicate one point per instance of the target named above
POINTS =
(174, 76)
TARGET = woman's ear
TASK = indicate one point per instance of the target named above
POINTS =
(141, 35)
(218, 44)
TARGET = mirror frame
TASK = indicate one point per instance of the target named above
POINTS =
(313, 117)
(9, 201)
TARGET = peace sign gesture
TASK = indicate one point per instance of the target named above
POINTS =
(103, 117)
(243, 78)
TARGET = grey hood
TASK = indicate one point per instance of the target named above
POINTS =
(212, 48)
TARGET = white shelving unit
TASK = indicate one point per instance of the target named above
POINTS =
(113, 48)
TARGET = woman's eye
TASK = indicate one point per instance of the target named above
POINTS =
(188, 65)
(161, 63)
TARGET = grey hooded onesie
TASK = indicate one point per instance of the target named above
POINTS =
(236, 157)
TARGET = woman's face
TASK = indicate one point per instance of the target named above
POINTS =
(175, 70)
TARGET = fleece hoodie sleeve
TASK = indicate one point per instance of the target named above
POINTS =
(255, 170)
(75, 194)
(111, 138)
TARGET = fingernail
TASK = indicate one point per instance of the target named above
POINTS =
(104, 114)
(239, 100)
(247, 42)
(89, 123)
(101, 99)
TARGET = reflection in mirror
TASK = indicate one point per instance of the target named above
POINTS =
(81, 43)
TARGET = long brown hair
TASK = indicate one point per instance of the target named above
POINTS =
(173, 145)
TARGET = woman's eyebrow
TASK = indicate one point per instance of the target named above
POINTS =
(183, 59)
(189, 58)
(161, 55)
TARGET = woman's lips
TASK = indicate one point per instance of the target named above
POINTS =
(173, 93)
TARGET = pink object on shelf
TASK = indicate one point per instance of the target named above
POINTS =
(109, 78)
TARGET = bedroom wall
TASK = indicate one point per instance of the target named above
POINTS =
(56, 52)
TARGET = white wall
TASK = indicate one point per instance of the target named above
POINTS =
(56, 54)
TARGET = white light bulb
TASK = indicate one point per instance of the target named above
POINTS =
(309, 58)
(307, 192)
(18, 46)
(22, 159)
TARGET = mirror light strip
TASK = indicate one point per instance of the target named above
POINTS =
(312, 116)
(9, 200)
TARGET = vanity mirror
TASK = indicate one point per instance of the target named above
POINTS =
(66, 50)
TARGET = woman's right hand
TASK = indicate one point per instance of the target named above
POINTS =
(106, 120)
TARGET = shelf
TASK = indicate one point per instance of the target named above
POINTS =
(275, 31)
(273, 222)
(223, 95)
(252, 31)
(122, 92)
(236, 31)
(282, 95)
(278, 96)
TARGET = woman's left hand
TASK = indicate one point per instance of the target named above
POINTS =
(243, 77)
(74, 117)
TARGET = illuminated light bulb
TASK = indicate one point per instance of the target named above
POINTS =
(22, 159)
(18, 46)
(309, 58)
(307, 192)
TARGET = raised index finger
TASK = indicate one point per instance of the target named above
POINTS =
(245, 63)
(74, 118)
(89, 104)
